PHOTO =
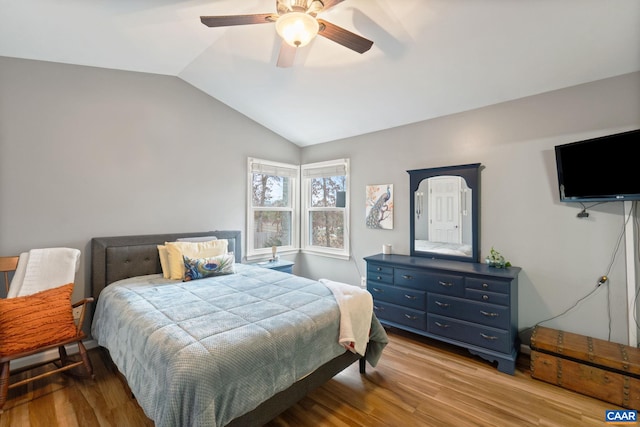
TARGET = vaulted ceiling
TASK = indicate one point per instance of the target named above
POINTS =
(429, 58)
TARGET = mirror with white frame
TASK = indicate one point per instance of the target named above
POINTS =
(444, 216)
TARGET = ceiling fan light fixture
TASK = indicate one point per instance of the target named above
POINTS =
(297, 28)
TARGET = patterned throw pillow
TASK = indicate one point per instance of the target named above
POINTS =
(199, 268)
(33, 321)
(176, 250)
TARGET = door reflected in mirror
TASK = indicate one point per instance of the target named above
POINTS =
(444, 212)
(443, 217)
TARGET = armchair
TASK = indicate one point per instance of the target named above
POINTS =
(39, 322)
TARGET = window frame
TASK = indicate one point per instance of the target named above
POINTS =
(306, 175)
(291, 171)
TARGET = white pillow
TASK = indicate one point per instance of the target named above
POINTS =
(176, 250)
(197, 239)
(164, 261)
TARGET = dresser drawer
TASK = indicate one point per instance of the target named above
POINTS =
(496, 316)
(379, 269)
(385, 276)
(433, 282)
(490, 297)
(404, 316)
(405, 297)
(483, 284)
(486, 337)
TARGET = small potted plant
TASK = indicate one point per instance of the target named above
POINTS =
(495, 259)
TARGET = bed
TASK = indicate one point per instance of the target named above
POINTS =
(235, 365)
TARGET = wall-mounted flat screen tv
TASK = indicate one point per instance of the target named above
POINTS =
(600, 169)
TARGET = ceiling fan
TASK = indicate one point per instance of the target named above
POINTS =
(297, 24)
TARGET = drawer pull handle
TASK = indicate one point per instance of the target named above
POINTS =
(378, 278)
(410, 317)
(489, 337)
(375, 307)
(442, 304)
(378, 290)
(485, 286)
(486, 313)
(407, 276)
(447, 284)
(485, 297)
(441, 325)
(411, 297)
(379, 269)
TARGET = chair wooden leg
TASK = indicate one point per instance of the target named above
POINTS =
(64, 359)
(4, 384)
(85, 359)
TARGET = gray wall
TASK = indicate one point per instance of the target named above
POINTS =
(88, 152)
(561, 256)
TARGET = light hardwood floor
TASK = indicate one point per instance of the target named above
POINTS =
(418, 382)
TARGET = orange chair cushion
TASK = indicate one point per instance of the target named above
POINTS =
(33, 321)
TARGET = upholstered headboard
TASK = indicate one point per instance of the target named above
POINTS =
(121, 257)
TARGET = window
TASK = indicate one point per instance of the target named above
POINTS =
(272, 217)
(325, 208)
(273, 208)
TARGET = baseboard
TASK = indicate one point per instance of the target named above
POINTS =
(49, 355)
(525, 349)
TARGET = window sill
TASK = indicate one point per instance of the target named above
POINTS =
(335, 255)
(266, 257)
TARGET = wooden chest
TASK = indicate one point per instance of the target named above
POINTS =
(598, 368)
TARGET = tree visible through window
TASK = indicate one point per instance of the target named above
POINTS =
(272, 227)
(271, 206)
(327, 221)
(326, 212)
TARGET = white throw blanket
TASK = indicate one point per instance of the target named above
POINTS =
(41, 269)
(356, 309)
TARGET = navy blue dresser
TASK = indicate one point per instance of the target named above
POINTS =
(467, 304)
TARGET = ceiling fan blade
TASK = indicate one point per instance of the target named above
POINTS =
(287, 55)
(344, 37)
(330, 3)
(226, 21)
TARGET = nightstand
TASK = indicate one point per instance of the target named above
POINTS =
(280, 265)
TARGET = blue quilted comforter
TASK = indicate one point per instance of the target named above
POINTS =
(204, 352)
